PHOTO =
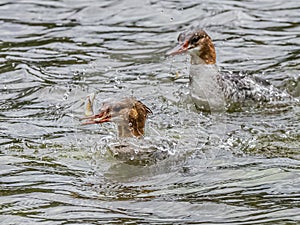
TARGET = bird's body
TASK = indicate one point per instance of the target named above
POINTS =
(212, 90)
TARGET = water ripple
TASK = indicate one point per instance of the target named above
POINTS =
(234, 168)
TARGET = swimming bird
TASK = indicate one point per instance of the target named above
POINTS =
(212, 90)
(129, 114)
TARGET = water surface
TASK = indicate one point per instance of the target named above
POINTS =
(235, 168)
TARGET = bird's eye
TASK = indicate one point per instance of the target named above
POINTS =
(181, 38)
(195, 39)
(117, 108)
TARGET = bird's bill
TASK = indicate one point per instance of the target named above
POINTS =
(102, 117)
(179, 49)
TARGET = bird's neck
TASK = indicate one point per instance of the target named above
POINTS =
(124, 131)
(205, 55)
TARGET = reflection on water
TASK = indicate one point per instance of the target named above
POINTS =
(236, 168)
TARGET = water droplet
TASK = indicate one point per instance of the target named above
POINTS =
(66, 95)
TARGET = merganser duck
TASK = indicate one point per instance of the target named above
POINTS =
(209, 89)
(130, 115)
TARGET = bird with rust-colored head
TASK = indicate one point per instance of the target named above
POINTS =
(198, 44)
(129, 114)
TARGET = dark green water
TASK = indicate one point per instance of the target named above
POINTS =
(233, 168)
